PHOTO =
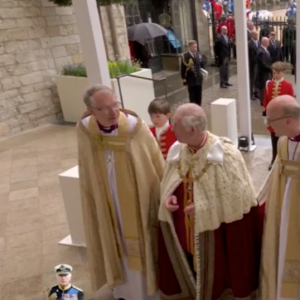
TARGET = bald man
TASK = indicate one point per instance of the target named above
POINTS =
(264, 68)
(281, 192)
(210, 221)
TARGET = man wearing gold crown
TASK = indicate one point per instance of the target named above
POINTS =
(210, 220)
(281, 192)
(120, 167)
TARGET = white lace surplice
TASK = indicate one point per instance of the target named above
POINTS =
(135, 286)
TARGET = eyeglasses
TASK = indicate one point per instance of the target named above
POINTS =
(274, 120)
(108, 109)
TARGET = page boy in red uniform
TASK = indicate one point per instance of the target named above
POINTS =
(276, 87)
(160, 113)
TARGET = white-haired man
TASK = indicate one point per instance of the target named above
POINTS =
(281, 192)
(120, 167)
(210, 220)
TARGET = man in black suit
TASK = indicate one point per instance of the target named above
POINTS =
(250, 27)
(275, 48)
(253, 46)
(223, 53)
(191, 64)
(264, 69)
(294, 59)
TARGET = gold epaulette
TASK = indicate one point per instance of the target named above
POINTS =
(77, 288)
(53, 296)
(183, 59)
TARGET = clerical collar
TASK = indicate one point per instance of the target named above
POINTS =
(295, 138)
(109, 129)
(194, 149)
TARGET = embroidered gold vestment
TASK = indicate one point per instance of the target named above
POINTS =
(135, 152)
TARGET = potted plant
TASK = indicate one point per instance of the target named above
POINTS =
(136, 93)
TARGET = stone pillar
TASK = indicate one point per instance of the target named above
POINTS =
(92, 43)
(243, 70)
(298, 49)
(202, 29)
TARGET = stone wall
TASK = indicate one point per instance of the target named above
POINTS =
(36, 40)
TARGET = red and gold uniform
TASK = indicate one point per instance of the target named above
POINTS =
(273, 89)
(229, 26)
(165, 138)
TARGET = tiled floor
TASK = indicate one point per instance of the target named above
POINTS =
(32, 213)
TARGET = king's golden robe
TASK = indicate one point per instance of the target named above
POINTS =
(274, 193)
(138, 165)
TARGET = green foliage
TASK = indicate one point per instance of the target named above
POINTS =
(100, 2)
(74, 70)
(116, 68)
(122, 67)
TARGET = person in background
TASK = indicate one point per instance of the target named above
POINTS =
(223, 54)
(191, 64)
(253, 46)
(294, 59)
(250, 27)
(264, 69)
(275, 48)
(276, 87)
(160, 113)
(265, 30)
(64, 289)
(288, 36)
(280, 266)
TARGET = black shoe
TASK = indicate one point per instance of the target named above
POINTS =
(223, 86)
(228, 84)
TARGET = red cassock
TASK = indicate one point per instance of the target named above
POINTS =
(166, 139)
(230, 255)
(273, 90)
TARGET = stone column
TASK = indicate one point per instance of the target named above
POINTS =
(298, 49)
(92, 43)
(202, 29)
(243, 70)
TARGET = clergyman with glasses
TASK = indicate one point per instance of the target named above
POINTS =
(120, 168)
(281, 242)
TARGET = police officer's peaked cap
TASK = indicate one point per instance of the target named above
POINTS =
(63, 269)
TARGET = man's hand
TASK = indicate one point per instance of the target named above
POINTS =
(190, 210)
(171, 203)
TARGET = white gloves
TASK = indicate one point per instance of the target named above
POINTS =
(265, 121)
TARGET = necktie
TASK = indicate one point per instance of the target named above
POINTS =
(256, 44)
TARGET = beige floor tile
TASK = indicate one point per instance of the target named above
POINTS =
(53, 208)
(25, 162)
(69, 163)
(26, 240)
(4, 188)
(20, 270)
(48, 178)
(49, 198)
(24, 194)
(55, 218)
(24, 173)
(48, 156)
(3, 224)
(28, 289)
(55, 254)
(47, 144)
(20, 154)
(2, 245)
(49, 189)
(32, 224)
(27, 204)
(56, 232)
(68, 153)
(49, 167)
(22, 185)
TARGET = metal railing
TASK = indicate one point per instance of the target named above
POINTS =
(140, 77)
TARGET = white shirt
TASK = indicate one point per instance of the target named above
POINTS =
(160, 130)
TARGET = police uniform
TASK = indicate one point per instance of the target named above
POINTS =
(60, 293)
(191, 64)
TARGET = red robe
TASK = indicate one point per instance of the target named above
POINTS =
(272, 91)
(166, 139)
(230, 255)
